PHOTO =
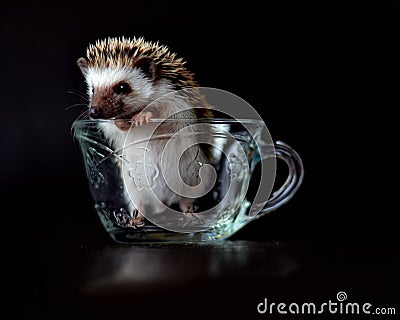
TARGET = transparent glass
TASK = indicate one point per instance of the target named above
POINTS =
(232, 196)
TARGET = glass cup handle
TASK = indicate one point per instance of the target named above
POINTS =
(293, 181)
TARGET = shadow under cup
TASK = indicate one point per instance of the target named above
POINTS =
(223, 155)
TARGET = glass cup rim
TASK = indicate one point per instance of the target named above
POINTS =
(83, 122)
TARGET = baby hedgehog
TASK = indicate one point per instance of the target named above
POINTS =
(125, 77)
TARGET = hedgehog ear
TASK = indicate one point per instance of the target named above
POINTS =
(83, 65)
(148, 67)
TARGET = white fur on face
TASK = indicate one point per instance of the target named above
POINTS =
(108, 77)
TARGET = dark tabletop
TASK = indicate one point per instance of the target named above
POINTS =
(229, 279)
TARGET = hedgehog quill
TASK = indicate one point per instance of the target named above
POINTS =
(126, 80)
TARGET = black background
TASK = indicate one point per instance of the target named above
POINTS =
(319, 74)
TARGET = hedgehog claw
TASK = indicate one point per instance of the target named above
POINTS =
(141, 118)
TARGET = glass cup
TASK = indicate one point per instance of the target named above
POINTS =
(231, 191)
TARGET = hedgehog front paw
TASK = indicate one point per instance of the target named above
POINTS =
(142, 117)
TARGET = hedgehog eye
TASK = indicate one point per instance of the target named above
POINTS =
(122, 88)
(92, 90)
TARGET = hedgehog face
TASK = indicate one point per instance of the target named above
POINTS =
(117, 92)
(125, 75)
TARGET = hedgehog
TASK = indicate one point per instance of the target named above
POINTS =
(127, 80)
(124, 75)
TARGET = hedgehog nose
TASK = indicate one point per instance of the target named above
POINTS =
(94, 112)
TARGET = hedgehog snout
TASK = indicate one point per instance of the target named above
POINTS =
(95, 112)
